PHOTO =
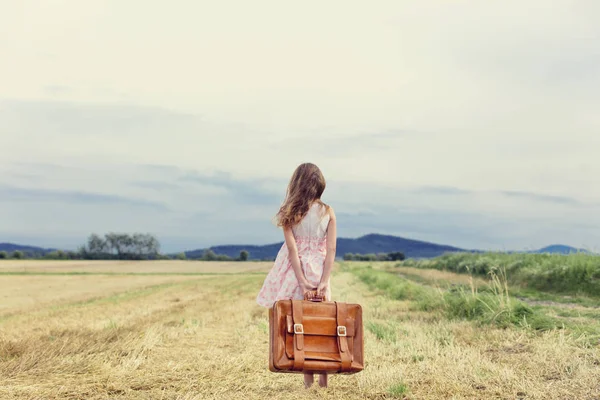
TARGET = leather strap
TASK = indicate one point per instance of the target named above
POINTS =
(342, 317)
(298, 337)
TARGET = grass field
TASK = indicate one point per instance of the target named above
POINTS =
(577, 273)
(192, 330)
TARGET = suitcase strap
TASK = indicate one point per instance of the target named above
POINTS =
(342, 339)
(298, 335)
(346, 357)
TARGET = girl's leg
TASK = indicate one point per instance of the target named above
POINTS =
(308, 379)
(323, 380)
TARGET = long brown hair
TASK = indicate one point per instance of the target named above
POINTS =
(306, 187)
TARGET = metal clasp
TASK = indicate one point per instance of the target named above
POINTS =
(341, 330)
(298, 329)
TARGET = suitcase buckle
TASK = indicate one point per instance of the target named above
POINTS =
(298, 329)
(341, 330)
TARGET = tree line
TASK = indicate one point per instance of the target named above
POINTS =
(209, 255)
(17, 255)
(120, 246)
(144, 246)
(395, 256)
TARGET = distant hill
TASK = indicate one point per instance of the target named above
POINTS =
(559, 249)
(29, 250)
(267, 251)
(372, 243)
(375, 243)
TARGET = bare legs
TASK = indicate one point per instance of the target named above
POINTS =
(309, 379)
(323, 380)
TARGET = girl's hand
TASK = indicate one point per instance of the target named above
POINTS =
(321, 289)
(306, 287)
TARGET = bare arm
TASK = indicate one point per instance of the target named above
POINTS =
(290, 242)
(330, 257)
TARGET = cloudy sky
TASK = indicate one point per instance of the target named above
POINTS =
(469, 123)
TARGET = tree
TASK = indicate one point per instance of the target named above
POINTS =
(122, 246)
(17, 254)
(82, 252)
(3, 255)
(383, 257)
(370, 257)
(151, 245)
(56, 255)
(96, 245)
(349, 257)
(181, 256)
(114, 242)
(244, 255)
(397, 256)
(209, 255)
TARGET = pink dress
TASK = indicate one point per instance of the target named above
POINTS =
(311, 240)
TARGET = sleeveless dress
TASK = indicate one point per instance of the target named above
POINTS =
(311, 239)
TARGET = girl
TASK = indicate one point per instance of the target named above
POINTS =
(305, 260)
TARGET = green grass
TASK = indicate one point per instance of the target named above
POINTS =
(489, 305)
(394, 288)
(497, 309)
(399, 390)
(583, 300)
(577, 313)
(384, 332)
(517, 292)
(577, 273)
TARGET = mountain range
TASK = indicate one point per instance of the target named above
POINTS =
(559, 249)
(371, 243)
(28, 250)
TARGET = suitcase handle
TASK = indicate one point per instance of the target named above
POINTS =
(315, 297)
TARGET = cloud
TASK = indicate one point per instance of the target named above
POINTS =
(15, 194)
(442, 190)
(347, 145)
(543, 197)
(57, 90)
(47, 118)
(208, 208)
(473, 124)
(247, 192)
(155, 185)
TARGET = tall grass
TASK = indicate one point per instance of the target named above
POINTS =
(577, 273)
(490, 304)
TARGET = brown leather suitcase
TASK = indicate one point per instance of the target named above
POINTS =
(315, 336)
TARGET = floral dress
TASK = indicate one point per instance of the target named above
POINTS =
(311, 239)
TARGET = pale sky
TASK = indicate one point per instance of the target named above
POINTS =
(469, 123)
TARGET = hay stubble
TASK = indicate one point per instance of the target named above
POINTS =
(202, 337)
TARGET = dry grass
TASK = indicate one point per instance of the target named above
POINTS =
(437, 277)
(204, 337)
(148, 267)
(31, 292)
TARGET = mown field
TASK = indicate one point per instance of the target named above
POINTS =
(192, 330)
